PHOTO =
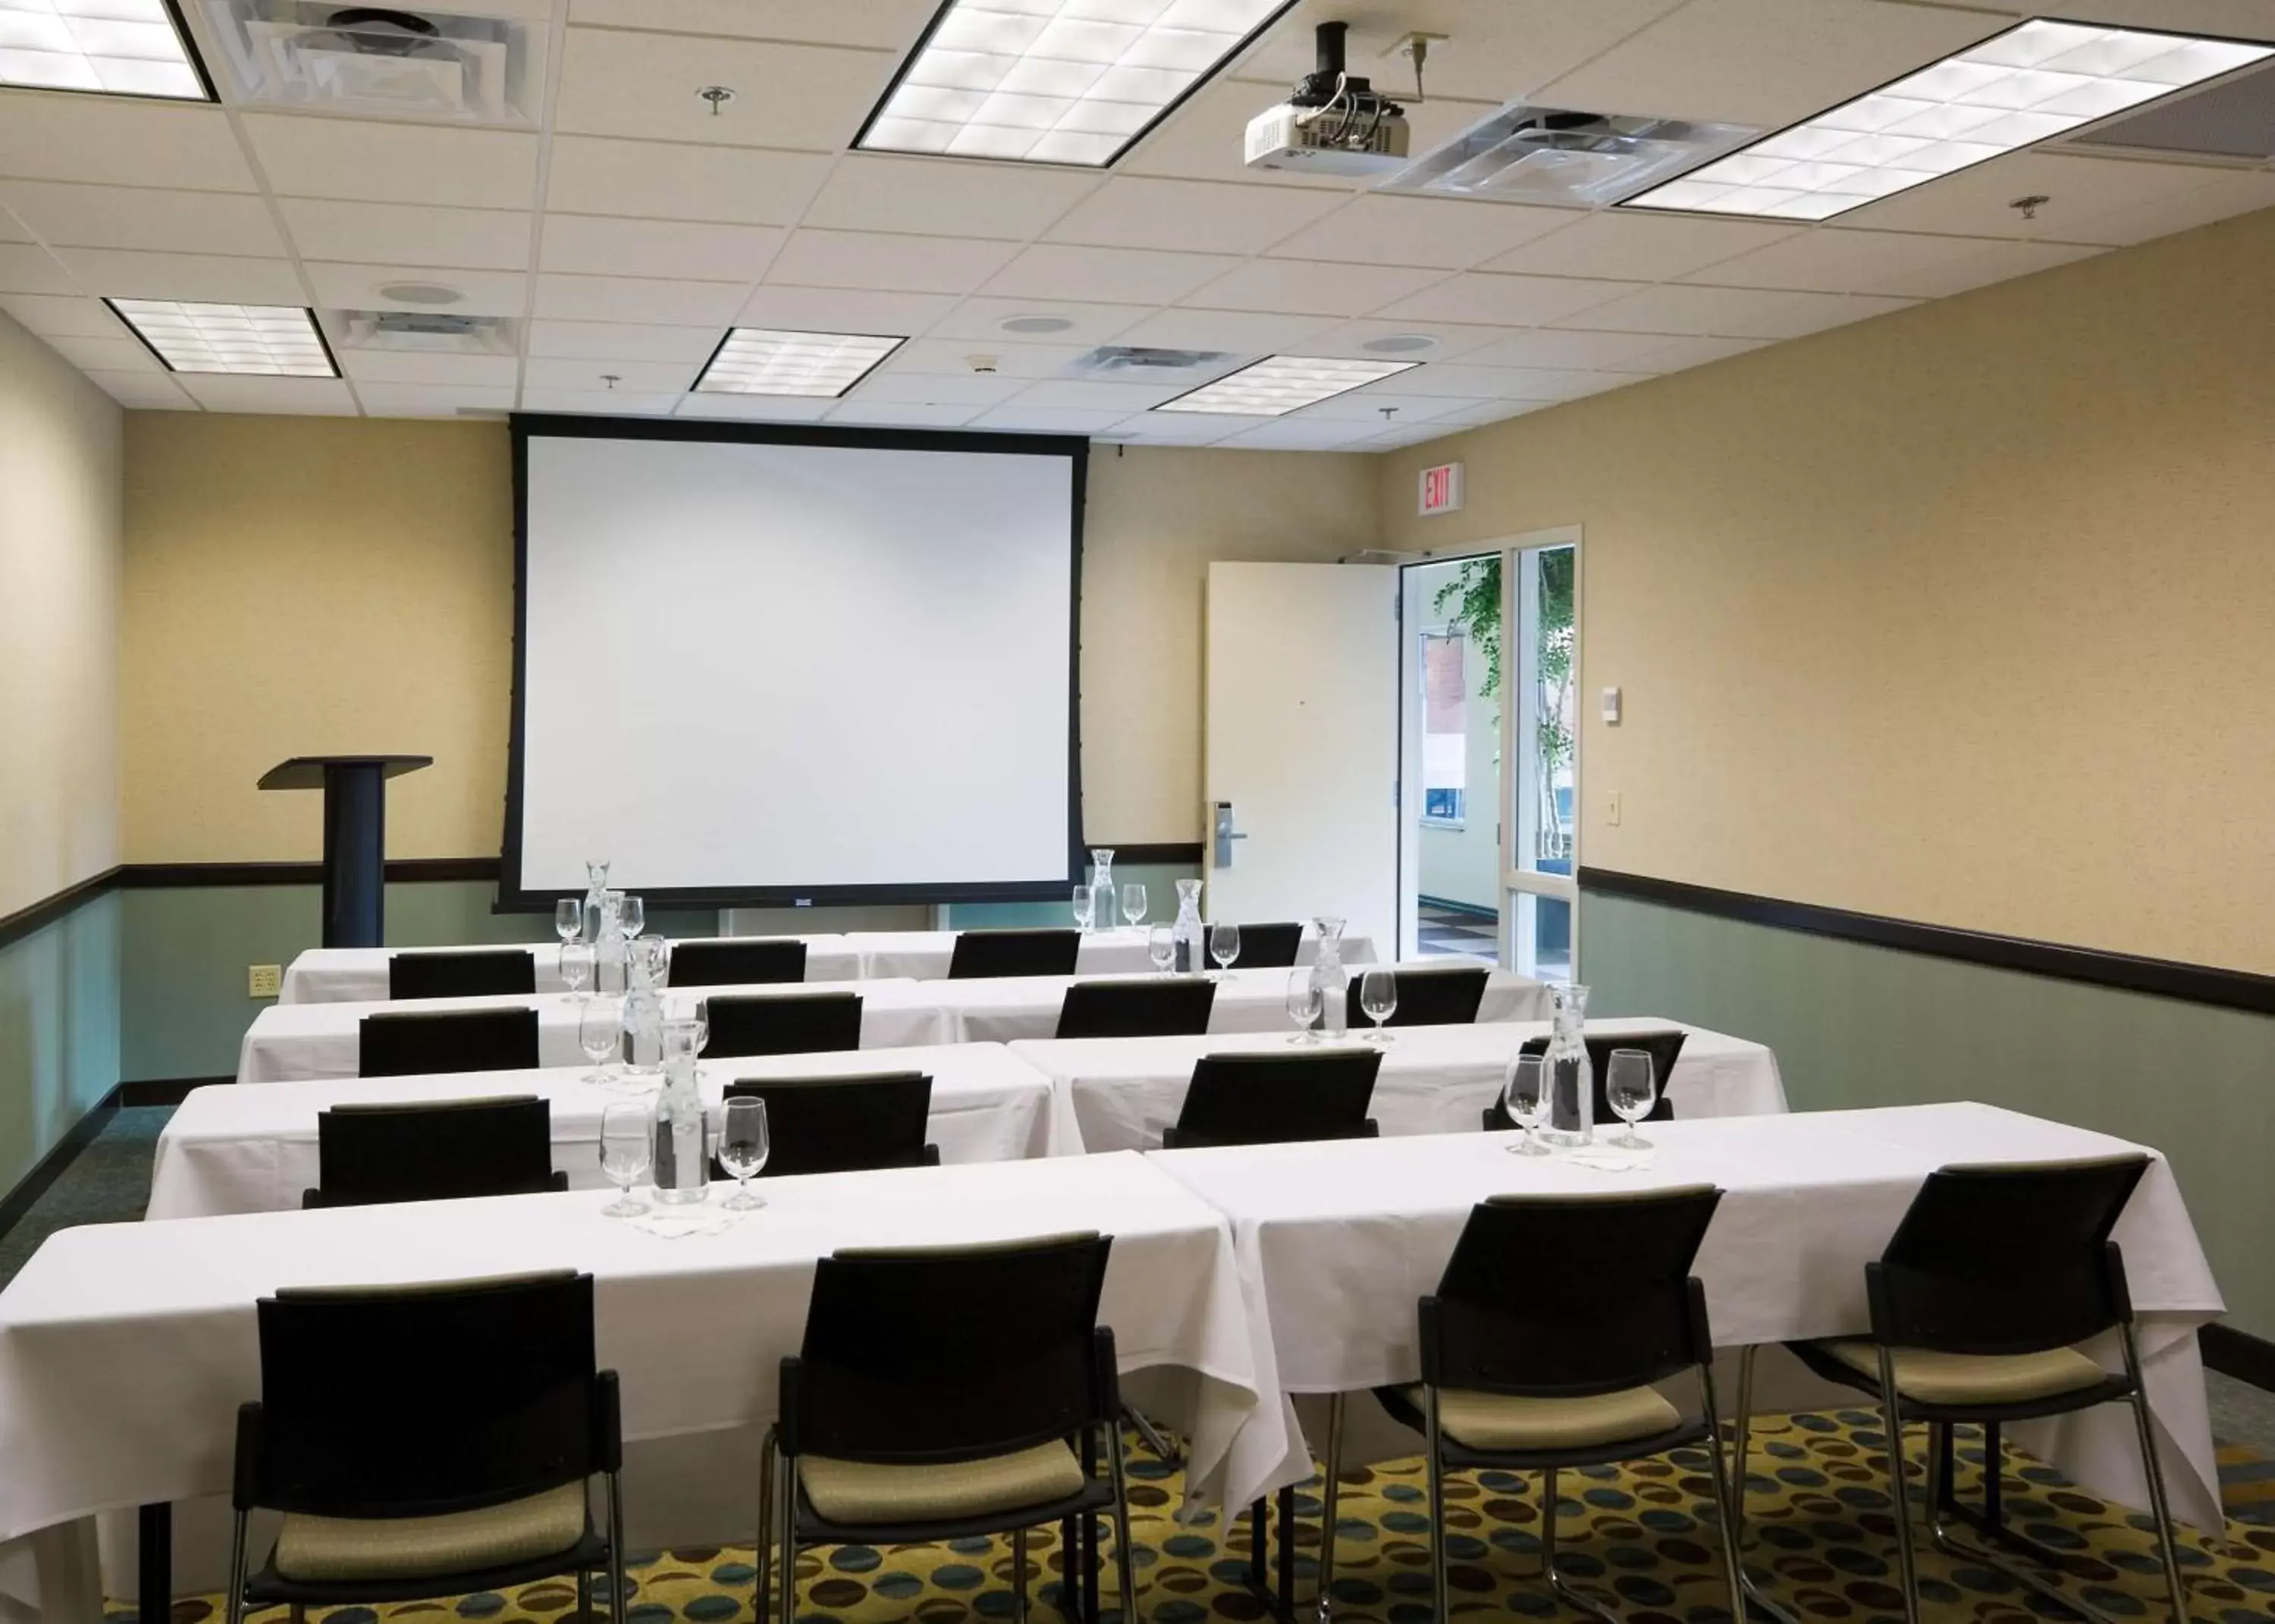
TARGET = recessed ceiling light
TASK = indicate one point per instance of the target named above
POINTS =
(1400, 343)
(1034, 324)
(1055, 81)
(1279, 384)
(118, 48)
(275, 341)
(2027, 84)
(764, 361)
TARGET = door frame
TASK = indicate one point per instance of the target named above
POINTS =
(1516, 881)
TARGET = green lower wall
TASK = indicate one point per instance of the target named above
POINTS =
(1859, 1025)
(59, 1004)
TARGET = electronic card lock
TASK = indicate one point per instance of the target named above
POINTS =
(1225, 835)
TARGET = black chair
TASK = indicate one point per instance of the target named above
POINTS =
(426, 1442)
(993, 1419)
(1269, 947)
(1425, 997)
(738, 963)
(1013, 953)
(406, 1043)
(789, 1024)
(461, 974)
(438, 1150)
(843, 1124)
(1176, 1007)
(1978, 1305)
(1540, 1347)
(1276, 1099)
(1664, 1048)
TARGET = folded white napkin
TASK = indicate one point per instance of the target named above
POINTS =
(1611, 1158)
(677, 1223)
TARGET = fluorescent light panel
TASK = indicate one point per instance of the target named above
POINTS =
(1279, 384)
(120, 47)
(271, 341)
(765, 361)
(2027, 85)
(1055, 81)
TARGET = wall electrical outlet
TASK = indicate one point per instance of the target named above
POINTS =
(264, 981)
(1612, 809)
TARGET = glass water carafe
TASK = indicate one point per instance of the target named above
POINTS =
(596, 876)
(1331, 978)
(1102, 901)
(1571, 1075)
(682, 1150)
(609, 948)
(1189, 934)
(643, 1017)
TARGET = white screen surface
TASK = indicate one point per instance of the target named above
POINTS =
(753, 666)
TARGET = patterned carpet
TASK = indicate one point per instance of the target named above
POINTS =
(1640, 1536)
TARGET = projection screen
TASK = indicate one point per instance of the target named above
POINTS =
(775, 664)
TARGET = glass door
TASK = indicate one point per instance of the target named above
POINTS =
(1541, 743)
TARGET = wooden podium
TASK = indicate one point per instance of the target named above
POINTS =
(355, 837)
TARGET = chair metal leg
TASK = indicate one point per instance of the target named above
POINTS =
(1018, 1575)
(1124, 1572)
(1564, 1590)
(233, 1610)
(786, 1525)
(618, 1604)
(1742, 1452)
(1891, 1422)
(1717, 1468)
(760, 1596)
(1437, 1474)
(2159, 1507)
(1146, 1429)
(1285, 1594)
(584, 1596)
(1331, 1469)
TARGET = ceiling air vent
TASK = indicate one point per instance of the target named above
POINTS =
(448, 64)
(426, 332)
(1546, 154)
(1134, 364)
(2234, 118)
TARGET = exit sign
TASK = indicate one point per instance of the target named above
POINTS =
(1441, 489)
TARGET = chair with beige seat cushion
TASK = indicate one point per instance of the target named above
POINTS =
(1994, 1279)
(995, 1419)
(427, 1441)
(1543, 1348)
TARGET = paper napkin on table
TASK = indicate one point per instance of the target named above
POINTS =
(1611, 1158)
(677, 1223)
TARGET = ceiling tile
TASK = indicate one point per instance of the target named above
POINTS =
(1496, 300)
(394, 162)
(1051, 270)
(638, 299)
(945, 197)
(1682, 354)
(2229, 195)
(1303, 433)
(432, 400)
(888, 263)
(798, 97)
(1246, 332)
(619, 341)
(391, 366)
(25, 268)
(1498, 49)
(631, 377)
(1765, 62)
(1134, 211)
(939, 389)
(668, 248)
(1366, 406)
(1460, 381)
(602, 403)
(139, 217)
(1093, 324)
(118, 141)
(368, 233)
(1731, 313)
(1831, 261)
(2087, 199)
(357, 287)
(206, 276)
(143, 392)
(60, 315)
(1086, 395)
(904, 414)
(1046, 420)
(1638, 248)
(2236, 19)
(885, 25)
(1311, 287)
(592, 175)
(762, 408)
(1440, 232)
(321, 397)
(11, 232)
(1177, 428)
(953, 355)
(1552, 348)
(844, 310)
(1350, 339)
(116, 353)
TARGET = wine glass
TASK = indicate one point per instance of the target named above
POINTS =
(1162, 947)
(702, 1025)
(742, 1148)
(1133, 902)
(1224, 944)
(1524, 1094)
(656, 958)
(1086, 909)
(634, 915)
(568, 918)
(576, 967)
(625, 1150)
(1378, 997)
(1302, 1004)
(1631, 1091)
(601, 1034)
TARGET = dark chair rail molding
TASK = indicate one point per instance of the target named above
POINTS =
(2199, 984)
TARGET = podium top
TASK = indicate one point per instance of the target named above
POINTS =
(307, 772)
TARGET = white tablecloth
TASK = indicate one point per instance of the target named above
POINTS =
(289, 1043)
(253, 1150)
(924, 954)
(1123, 1091)
(358, 975)
(1340, 1239)
(125, 1349)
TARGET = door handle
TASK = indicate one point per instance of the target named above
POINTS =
(1225, 835)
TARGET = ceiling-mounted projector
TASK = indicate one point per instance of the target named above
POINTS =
(1332, 123)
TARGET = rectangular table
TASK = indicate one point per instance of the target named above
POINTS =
(1338, 1240)
(253, 1150)
(125, 1349)
(358, 975)
(925, 955)
(294, 1042)
(1120, 1093)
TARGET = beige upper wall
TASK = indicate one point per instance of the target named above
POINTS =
(1962, 615)
(60, 622)
(304, 585)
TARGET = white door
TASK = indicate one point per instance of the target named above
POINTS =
(1301, 744)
